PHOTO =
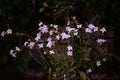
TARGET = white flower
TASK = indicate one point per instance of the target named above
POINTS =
(68, 23)
(51, 52)
(49, 39)
(69, 29)
(12, 53)
(17, 48)
(65, 36)
(95, 29)
(44, 29)
(89, 70)
(88, 30)
(58, 37)
(51, 32)
(25, 43)
(69, 48)
(41, 23)
(100, 41)
(40, 45)
(9, 31)
(64, 76)
(75, 32)
(98, 63)
(3, 33)
(55, 26)
(51, 25)
(50, 44)
(103, 30)
(31, 45)
(79, 26)
(69, 53)
(37, 38)
(91, 26)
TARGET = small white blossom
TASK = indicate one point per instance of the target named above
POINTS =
(100, 41)
(44, 29)
(91, 26)
(69, 29)
(95, 29)
(44, 52)
(17, 48)
(75, 32)
(88, 30)
(50, 44)
(40, 45)
(49, 39)
(12, 53)
(51, 52)
(68, 23)
(79, 26)
(3, 33)
(37, 38)
(69, 53)
(65, 36)
(41, 23)
(25, 43)
(51, 32)
(98, 63)
(103, 30)
(64, 76)
(55, 26)
(89, 70)
(57, 37)
(31, 45)
(9, 31)
(69, 48)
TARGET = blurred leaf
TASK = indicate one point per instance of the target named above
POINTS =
(83, 75)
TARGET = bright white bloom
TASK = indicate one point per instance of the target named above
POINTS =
(75, 32)
(51, 52)
(50, 44)
(98, 63)
(49, 39)
(25, 44)
(17, 48)
(65, 36)
(58, 37)
(95, 29)
(64, 76)
(41, 23)
(103, 30)
(37, 38)
(91, 26)
(31, 45)
(40, 45)
(88, 30)
(55, 26)
(51, 32)
(9, 31)
(79, 26)
(69, 53)
(3, 33)
(89, 70)
(69, 48)
(12, 53)
(100, 41)
(44, 29)
(69, 29)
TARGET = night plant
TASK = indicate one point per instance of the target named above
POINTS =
(66, 53)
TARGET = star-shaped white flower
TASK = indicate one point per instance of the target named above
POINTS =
(88, 30)
(100, 41)
(17, 48)
(51, 52)
(65, 36)
(3, 33)
(57, 37)
(103, 30)
(12, 53)
(40, 45)
(89, 70)
(69, 48)
(79, 26)
(31, 45)
(69, 53)
(98, 63)
(9, 31)
(91, 26)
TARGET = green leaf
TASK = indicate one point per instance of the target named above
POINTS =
(83, 75)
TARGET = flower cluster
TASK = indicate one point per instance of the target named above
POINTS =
(50, 36)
